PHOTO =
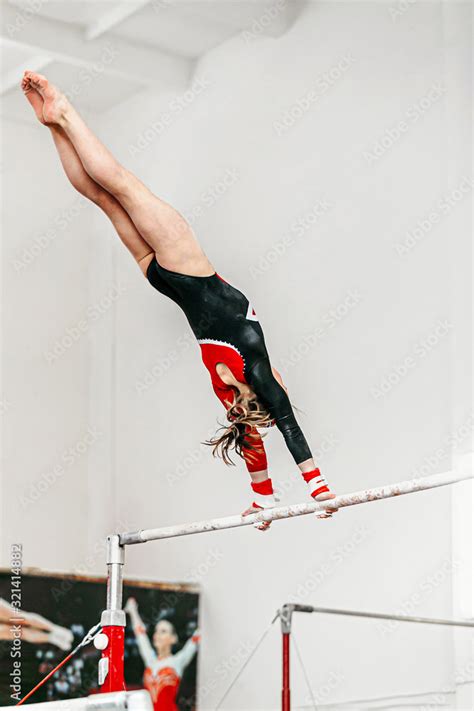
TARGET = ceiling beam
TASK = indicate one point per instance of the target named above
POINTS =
(113, 17)
(12, 78)
(65, 42)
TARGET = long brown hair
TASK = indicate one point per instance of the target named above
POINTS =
(244, 416)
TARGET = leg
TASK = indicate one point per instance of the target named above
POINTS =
(159, 224)
(126, 230)
(141, 250)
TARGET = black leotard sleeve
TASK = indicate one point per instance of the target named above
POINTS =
(274, 398)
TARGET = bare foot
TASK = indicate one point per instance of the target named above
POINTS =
(327, 496)
(263, 525)
(35, 99)
(55, 105)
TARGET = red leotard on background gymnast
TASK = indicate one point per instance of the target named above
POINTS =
(163, 670)
(221, 317)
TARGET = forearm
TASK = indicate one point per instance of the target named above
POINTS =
(295, 440)
(137, 622)
(144, 645)
(274, 398)
(255, 456)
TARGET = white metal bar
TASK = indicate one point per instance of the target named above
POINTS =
(359, 497)
(378, 615)
(115, 701)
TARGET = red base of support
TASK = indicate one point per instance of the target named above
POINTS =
(114, 652)
(285, 691)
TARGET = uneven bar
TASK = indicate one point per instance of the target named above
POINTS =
(379, 616)
(359, 497)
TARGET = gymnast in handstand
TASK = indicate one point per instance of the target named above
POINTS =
(222, 319)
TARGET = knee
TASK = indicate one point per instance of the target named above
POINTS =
(94, 193)
(107, 202)
(123, 184)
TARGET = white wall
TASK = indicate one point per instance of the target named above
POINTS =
(147, 467)
(45, 424)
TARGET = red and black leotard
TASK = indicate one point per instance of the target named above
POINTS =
(228, 331)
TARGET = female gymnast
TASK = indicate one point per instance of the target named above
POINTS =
(221, 317)
(163, 669)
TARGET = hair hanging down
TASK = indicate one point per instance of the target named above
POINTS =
(244, 416)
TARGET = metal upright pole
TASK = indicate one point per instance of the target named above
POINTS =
(285, 614)
(111, 676)
(285, 621)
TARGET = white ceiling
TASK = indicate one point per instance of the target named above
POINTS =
(188, 28)
(80, 12)
(69, 38)
(191, 29)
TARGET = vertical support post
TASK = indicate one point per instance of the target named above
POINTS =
(286, 613)
(285, 690)
(111, 676)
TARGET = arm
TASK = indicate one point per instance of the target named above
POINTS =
(273, 396)
(186, 654)
(278, 377)
(147, 652)
(254, 454)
